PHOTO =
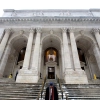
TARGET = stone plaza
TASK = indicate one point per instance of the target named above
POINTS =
(47, 43)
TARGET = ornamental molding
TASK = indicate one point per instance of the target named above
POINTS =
(8, 19)
(81, 29)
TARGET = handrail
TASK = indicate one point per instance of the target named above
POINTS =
(41, 91)
(59, 85)
(66, 97)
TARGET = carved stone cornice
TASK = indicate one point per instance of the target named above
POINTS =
(8, 19)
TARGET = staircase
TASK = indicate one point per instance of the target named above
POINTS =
(75, 91)
(81, 91)
(29, 91)
(47, 84)
(19, 91)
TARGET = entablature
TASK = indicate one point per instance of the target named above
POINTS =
(52, 13)
(49, 19)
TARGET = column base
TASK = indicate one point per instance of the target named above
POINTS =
(75, 77)
(27, 76)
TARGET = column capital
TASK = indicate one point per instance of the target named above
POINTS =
(95, 30)
(32, 30)
(71, 30)
(38, 30)
(64, 30)
(8, 30)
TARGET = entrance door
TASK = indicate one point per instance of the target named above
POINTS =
(51, 72)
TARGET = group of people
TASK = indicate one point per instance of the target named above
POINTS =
(51, 92)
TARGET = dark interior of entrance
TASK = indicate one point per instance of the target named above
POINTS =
(51, 73)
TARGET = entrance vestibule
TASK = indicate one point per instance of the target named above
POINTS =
(51, 49)
(51, 72)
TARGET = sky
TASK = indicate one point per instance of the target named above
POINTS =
(48, 4)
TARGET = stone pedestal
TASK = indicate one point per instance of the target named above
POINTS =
(75, 77)
(27, 76)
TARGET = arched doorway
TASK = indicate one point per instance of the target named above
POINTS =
(51, 59)
(87, 57)
(16, 57)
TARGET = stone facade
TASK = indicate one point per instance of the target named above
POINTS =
(72, 37)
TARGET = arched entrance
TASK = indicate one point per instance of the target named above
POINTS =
(16, 56)
(51, 59)
(87, 57)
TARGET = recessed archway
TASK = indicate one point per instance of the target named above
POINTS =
(86, 56)
(51, 50)
(18, 44)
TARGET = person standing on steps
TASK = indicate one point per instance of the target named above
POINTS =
(51, 92)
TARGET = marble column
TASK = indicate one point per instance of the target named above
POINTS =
(35, 60)
(40, 56)
(97, 36)
(96, 54)
(74, 50)
(25, 75)
(4, 42)
(62, 57)
(4, 59)
(28, 50)
(67, 60)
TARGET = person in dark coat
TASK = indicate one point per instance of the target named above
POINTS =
(51, 92)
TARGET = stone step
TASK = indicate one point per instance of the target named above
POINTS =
(19, 91)
(22, 96)
(81, 91)
(51, 80)
(16, 98)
